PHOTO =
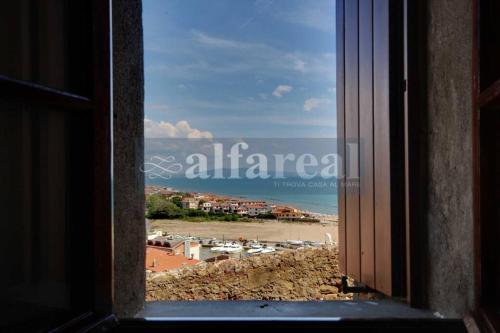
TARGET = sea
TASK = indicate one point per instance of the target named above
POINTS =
(314, 195)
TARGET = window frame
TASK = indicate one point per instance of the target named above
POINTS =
(97, 104)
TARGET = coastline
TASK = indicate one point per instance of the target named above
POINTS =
(322, 217)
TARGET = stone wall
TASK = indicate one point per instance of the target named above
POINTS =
(309, 274)
(449, 215)
(128, 146)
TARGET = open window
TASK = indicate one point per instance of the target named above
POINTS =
(240, 150)
(57, 148)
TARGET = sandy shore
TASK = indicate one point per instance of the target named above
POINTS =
(266, 231)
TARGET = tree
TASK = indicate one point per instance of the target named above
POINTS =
(158, 207)
(231, 217)
(177, 201)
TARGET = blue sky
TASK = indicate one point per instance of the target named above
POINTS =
(239, 68)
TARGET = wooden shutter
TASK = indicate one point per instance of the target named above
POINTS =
(55, 170)
(486, 163)
(370, 116)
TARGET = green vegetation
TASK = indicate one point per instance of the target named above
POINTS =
(267, 216)
(177, 200)
(160, 207)
(310, 220)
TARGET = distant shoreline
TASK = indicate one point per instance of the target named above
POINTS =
(322, 217)
(308, 199)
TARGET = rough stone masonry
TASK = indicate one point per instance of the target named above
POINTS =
(299, 275)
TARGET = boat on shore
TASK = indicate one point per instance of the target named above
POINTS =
(228, 247)
(255, 248)
(261, 249)
(268, 250)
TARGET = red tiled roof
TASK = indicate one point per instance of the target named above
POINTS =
(255, 206)
(164, 260)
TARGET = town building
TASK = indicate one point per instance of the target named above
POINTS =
(241, 211)
(154, 234)
(190, 203)
(159, 259)
(287, 213)
(188, 248)
(206, 206)
(258, 209)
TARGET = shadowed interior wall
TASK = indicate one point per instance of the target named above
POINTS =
(128, 132)
(448, 215)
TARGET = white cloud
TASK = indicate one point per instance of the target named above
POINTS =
(281, 90)
(163, 129)
(314, 103)
(300, 65)
(297, 62)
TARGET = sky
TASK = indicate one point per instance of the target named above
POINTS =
(239, 68)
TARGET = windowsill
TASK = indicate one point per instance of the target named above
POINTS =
(278, 310)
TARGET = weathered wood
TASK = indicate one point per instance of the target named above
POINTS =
(352, 224)
(340, 35)
(381, 140)
(367, 226)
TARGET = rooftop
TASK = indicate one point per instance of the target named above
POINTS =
(164, 260)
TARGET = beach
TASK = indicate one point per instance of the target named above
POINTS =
(267, 230)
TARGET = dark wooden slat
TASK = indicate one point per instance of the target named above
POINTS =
(397, 156)
(352, 222)
(382, 169)
(489, 39)
(488, 319)
(102, 177)
(486, 163)
(367, 227)
(489, 136)
(490, 97)
(37, 94)
(341, 130)
(478, 287)
(416, 168)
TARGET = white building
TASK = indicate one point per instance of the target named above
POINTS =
(254, 210)
(192, 250)
(207, 206)
(190, 203)
(233, 207)
(225, 208)
(241, 211)
(154, 234)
